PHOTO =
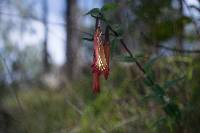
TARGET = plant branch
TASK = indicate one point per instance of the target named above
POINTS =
(127, 49)
(131, 55)
(178, 50)
(193, 21)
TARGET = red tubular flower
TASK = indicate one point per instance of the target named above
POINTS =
(100, 58)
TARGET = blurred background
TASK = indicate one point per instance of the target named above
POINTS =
(45, 67)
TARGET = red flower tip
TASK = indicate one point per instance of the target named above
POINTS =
(96, 84)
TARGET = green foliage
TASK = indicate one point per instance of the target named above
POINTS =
(109, 6)
(129, 59)
(118, 28)
(93, 12)
(170, 102)
(148, 65)
(106, 8)
(87, 39)
(171, 83)
(44, 111)
(160, 31)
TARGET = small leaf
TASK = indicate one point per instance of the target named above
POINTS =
(151, 74)
(113, 46)
(160, 121)
(93, 12)
(147, 82)
(87, 39)
(109, 6)
(147, 97)
(150, 63)
(159, 93)
(158, 90)
(118, 28)
(127, 59)
(130, 59)
(172, 110)
(173, 82)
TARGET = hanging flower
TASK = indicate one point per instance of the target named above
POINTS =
(100, 57)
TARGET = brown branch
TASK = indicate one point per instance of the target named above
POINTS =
(128, 51)
(131, 55)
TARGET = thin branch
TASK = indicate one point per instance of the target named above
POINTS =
(194, 7)
(90, 34)
(124, 122)
(178, 50)
(75, 130)
(33, 18)
(128, 51)
(73, 106)
(193, 21)
(12, 90)
(170, 48)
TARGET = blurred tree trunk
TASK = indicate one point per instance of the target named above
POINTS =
(46, 64)
(72, 35)
(180, 26)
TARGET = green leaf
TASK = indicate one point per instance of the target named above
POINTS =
(114, 46)
(160, 121)
(147, 82)
(172, 110)
(158, 90)
(159, 93)
(149, 64)
(151, 74)
(173, 82)
(148, 97)
(109, 6)
(127, 59)
(87, 39)
(118, 28)
(130, 59)
(148, 68)
(93, 12)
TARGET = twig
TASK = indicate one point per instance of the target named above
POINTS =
(32, 17)
(126, 48)
(193, 21)
(73, 106)
(178, 50)
(12, 91)
(10, 88)
(75, 130)
(124, 122)
(170, 48)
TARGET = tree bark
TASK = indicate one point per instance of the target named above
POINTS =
(180, 27)
(46, 63)
(72, 35)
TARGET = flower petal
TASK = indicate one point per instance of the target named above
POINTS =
(96, 84)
